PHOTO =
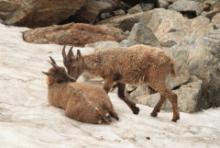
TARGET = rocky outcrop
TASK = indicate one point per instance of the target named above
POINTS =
(216, 20)
(92, 9)
(136, 9)
(103, 45)
(141, 34)
(73, 34)
(34, 13)
(188, 96)
(125, 22)
(169, 25)
(211, 7)
(197, 80)
(204, 63)
(187, 7)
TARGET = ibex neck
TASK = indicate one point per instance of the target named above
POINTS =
(92, 62)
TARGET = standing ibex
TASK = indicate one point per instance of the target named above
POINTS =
(132, 65)
(81, 101)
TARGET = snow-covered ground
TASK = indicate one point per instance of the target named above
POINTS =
(27, 121)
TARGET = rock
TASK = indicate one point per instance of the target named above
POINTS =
(163, 3)
(73, 34)
(171, 1)
(216, 20)
(213, 10)
(103, 45)
(119, 12)
(131, 2)
(187, 6)
(33, 13)
(149, 4)
(125, 22)
(194, 57)
(90, 12)
(171, 26)
(140, 34)
(168, 43)
(188, 96)
(127, 43)
(146, 6)
(135, 9)
(105, 15)
(202, 59)
(139, 92)
(206, 67)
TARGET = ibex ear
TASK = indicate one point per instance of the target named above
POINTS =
(53, 63)
(79, 55)
(46, 73)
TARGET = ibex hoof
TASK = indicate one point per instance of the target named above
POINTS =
(154, 114)
(175, 118)
(136, 110)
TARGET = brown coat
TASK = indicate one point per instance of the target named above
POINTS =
(81, 101)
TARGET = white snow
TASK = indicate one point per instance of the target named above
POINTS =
(27, 121)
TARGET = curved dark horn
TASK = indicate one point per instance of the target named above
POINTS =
(78, 54)
(64, 52)
(53, 63)
(70, 53)
(71, 47)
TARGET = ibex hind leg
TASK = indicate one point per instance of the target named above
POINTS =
(165, 93)
(157, 108)
(172, 97)
(114, 115)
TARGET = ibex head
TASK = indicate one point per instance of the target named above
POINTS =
(57, 73)
(74, 64)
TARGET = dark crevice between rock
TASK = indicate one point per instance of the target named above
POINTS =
(125, 5)
(70, 19)
(209, 96)
(110, 12)
(131, 3)
(179, 86)
(189, 14)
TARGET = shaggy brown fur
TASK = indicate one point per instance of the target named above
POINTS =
(81, 101)
(133, 65)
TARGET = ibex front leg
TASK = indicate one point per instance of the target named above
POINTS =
(108, 84)
(124, 96)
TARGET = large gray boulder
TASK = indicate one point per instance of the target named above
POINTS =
(216, 20)
(141, 34)
(171, 26)
(103, 45)
(125, 22)
(34, 13)
(188, 96)
(196, 55)
(198, 58)
(211, 7)
(185, 6)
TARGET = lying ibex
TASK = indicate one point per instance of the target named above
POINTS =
(133, 65)
(81, 101)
